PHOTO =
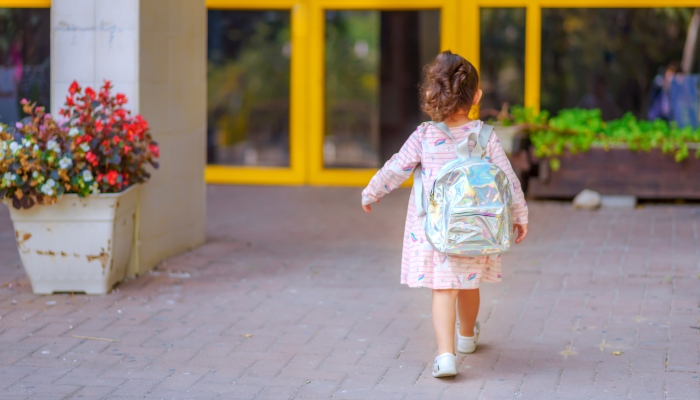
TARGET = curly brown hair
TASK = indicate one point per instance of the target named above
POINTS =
(449, 85)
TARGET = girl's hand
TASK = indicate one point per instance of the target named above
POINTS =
(522, 232)
(368, 208)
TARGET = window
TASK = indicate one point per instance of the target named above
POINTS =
(374, 61)
(608, 58)
(248, 88)
(24, 60)
(502, 57)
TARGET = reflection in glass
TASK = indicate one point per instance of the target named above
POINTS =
(374, 61)
(24, 60)
(608, 58)
(248, 88)
(502, 58)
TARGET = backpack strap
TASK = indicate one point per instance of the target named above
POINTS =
(419, 196)
(485, 135)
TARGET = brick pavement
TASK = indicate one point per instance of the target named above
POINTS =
(296, 295)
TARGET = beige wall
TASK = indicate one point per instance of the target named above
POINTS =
(155, 52)
(172, 87)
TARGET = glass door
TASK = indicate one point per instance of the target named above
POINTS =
(369, 59)
(253, 79)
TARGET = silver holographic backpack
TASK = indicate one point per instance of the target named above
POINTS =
(470, 208)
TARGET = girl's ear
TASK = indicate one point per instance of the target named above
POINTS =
(477, 96)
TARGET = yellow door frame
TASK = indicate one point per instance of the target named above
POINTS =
(25, 3)
(449, 39)
(296, 172)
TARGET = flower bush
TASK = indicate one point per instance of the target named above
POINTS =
(98, 148)
(577, 130)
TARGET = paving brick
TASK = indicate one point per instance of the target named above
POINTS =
(135, 387)
(317, 288)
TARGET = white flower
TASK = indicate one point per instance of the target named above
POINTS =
(46, 189)
(65, 163)
(94, 189)
(53, 145)
(8, 178)
(87, 175)
(14, 147)
(26, 143)
(35, 174)
(36, 148)
(1, 129)
(72, 132)
(85, 147)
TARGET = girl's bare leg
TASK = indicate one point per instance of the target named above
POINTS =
(468, 307)
(444, 314)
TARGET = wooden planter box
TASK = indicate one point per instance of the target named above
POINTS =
(619, 171)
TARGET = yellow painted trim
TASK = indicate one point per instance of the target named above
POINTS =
(502, 3)
(251, 175)
(533, 55)
(299, 93)
(617, 3)
(348, 177)
(25, 3)
(380, 4)
(449, 34)
(587, 3)
(298, 99)
(470, 27)
(251, 5)
(317, 71)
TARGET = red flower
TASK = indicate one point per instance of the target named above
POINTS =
(69, 101)
(116, 140)
(100, 177)
(91, 158)
(90, 93)
(121, 99)
(112, 177)
(127, 149)
(74, 88)
(98, 125)
(154, 150)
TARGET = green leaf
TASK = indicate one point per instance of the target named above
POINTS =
(555, 164)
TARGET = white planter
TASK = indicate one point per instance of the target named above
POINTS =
(77, 244)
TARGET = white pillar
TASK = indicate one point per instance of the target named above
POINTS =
(154, 51)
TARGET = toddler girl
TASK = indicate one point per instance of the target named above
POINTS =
(449, 90)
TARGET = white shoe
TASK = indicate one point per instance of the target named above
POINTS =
(444, 365)
(467, 344)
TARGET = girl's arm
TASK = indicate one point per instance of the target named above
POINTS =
(396, 170)
(495, 151)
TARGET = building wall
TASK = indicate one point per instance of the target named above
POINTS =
(154, 52)
(173, 91)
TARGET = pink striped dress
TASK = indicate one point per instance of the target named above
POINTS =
(421, 266)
